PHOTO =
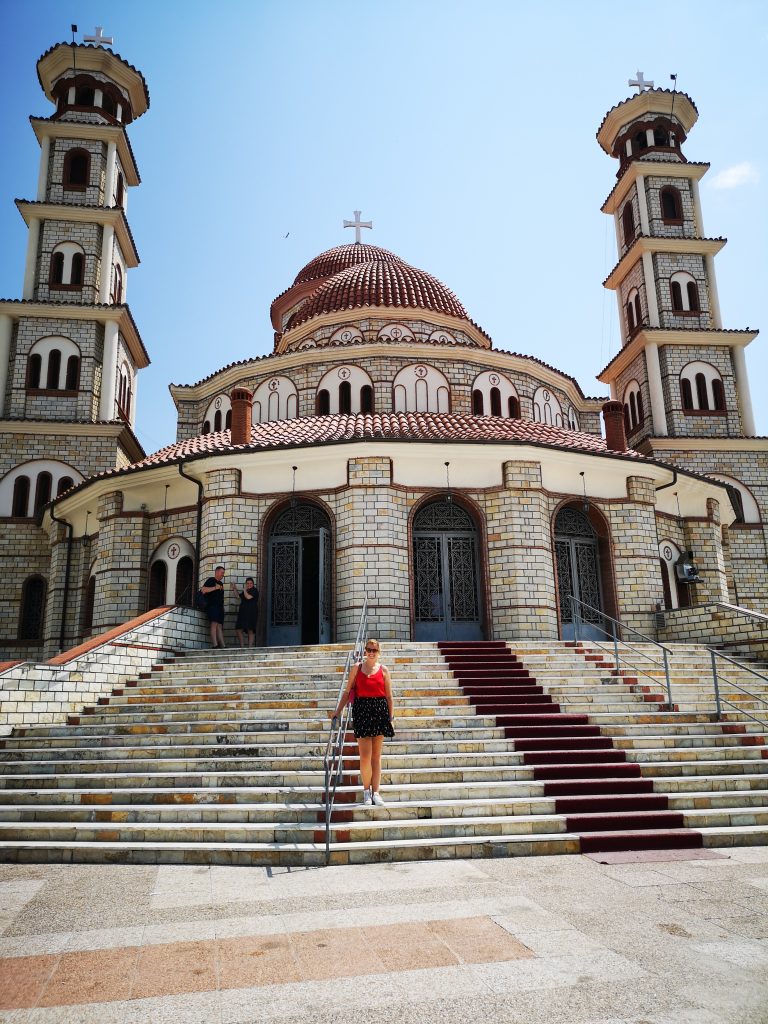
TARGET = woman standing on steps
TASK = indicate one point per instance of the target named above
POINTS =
(372, 713)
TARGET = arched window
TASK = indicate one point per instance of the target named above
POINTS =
(34, 368)
(634, 315)
(685, 293)
(217, 421)
(546, 408)
(640, 141)
(54, 369)
(84, 96)
(89, 599)
(120, 189)
(228, 420)
(184, 592)
(73, 373)
(117, 286)
(57, 268)
(64, 484)
(345, 386)
(701, 391)
(42, 490)
(633, 407)
(718, 395)
(660, 136)
(677, 296)
(693, 296)
(33, 591)
(345, 397)
(76, 274)
(276, 399)
(221, 404)
(124, 393)
(323, 402)
(477, 403)
(108, 103)
(207, 427)
(20, 506)
(158, 578)
(671, 205)
(366, 399)
(686, 394)
(628, 223)
(77, 166)
(491, 393)
(513, 406)
(495, 402)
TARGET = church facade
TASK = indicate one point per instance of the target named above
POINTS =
(385, 452)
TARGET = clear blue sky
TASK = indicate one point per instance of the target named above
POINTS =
(465, 131)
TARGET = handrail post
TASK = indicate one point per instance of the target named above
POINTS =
(615, 644)
(717, 686)
(666, 677)
(576, 616)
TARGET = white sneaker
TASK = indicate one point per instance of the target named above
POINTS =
(367, 798)
(378, 799)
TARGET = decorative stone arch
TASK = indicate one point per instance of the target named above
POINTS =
(634, 311)
(447, 569)
(298, 556)
(53, 364)
(275, 399)
(744, 500)
(51, 471)
(218, 415)
(582, 556)
(701, 388)
(421, 388)
(164, 584)
(493, 394)
(67, 269)
(395, 332)
(634, 413)
(349, 334)
(684, 292)
(442, 337)
(547, 408)
(349, 389)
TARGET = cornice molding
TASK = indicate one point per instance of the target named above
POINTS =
(660, 337)
(650, 169)
(104, 215)
(44, 128)
(652, 244)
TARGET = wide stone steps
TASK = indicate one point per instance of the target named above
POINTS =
(217, 758)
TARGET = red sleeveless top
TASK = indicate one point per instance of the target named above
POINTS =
(372, 685)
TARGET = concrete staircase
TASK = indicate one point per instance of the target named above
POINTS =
(216, 757)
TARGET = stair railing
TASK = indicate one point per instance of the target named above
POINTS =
(718, 677)
(616, 625)
(333, 762)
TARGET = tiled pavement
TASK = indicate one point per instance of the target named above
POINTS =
(659, 939)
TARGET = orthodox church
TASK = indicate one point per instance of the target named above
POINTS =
(386, 452)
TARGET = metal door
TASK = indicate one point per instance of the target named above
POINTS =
(284, 614)
(578, 575)
(446, 575)
(324, 585)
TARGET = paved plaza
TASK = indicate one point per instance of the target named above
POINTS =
(669, 938)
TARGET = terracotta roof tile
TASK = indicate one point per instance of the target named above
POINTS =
(90, 46)
(342, 257)
(627, 100)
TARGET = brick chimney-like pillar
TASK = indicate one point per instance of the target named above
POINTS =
(615, 437)
(242, 405)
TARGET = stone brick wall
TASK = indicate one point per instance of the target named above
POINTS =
(44, 694)
(718, 625)
(653, 188)
(665, 264)
(672, 359)
(93, 195)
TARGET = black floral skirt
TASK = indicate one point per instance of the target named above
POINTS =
(370, 717)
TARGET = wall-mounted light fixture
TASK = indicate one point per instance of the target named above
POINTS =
(585, 500)
(164, 516)
(449, 496)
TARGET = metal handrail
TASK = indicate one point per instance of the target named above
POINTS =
(719, 701)
(333, 762)
(666, 651)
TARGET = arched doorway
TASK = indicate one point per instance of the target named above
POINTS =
(446, 574)
(577, 557)
(299, 571)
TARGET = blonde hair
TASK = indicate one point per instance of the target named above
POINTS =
(370, 641)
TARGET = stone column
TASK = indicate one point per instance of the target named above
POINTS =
(704, 538)
(653, 369)
(109, 176)
(42, 177)
(642, 205)
(30, 266)
(521, 573)
(636, 572)
(107, 243)
(122, 554)
(372, 556)
(714, 298)
(650, 290)
(109, 372)
(742, 389)
(6, 334)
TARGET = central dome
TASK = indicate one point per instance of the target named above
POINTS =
(380, 283)
(342, 257)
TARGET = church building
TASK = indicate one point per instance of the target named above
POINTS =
(386, 451)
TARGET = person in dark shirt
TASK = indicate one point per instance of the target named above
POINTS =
(213, 589)
(248, 613)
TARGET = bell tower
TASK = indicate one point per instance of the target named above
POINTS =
(679, 372)
(681, 375)
(70, 350)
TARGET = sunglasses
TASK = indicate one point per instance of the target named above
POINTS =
(371, 650)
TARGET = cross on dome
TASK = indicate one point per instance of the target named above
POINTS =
(98, 38)
(357, 224)
(640, 83)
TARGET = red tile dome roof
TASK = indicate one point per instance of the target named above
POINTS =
(342, 257)
(380, 283)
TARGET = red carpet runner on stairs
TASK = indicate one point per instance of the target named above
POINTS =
(604, 797)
